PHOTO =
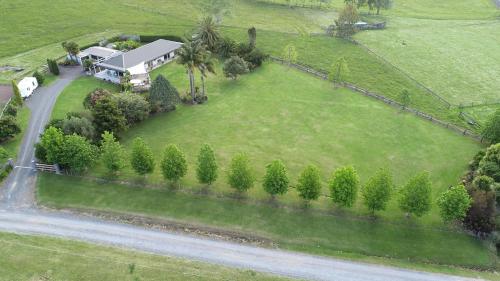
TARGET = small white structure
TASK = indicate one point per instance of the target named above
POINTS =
(27, 86)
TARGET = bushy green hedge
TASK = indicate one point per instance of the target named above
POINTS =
(151, 38)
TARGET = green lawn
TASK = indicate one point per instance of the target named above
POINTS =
(406, 244)
(278, 112)
(71, 99)
(43, 258)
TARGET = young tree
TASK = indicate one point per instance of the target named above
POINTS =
(141, 158)
(252, 37)
(346, 20)
(309, 183)
(16, 97)
(93, 97)
(377, 191)
(276, 180)
(208, 33)
(415, 196)
(53, 67)
(491, 130)
(344, 186)
(404, 98)
(125, 82)
(77, 153)
(454, 204)
(173, 165)
(88, 64)
(112, 153)
(207, 66)
(339, 71)
(290, 54)
(226, 48)
(52, 141)
(134, 107)
(39, 77)
(206, 170)
(107, 116)
(240, 175)
(163, 96)
(234, 67)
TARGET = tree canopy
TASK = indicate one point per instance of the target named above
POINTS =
(344, 186)
(377, 191)
(415, 196)
(454, 203)
(276, 180)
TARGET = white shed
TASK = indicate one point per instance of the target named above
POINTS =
(27, 86)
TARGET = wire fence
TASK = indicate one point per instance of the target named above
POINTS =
(423, 115)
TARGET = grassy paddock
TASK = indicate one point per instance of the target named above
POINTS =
(299, 230)
(38, 258)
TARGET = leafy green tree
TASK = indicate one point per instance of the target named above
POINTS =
(234, 67)
(112, 153)
(207, 66)
(377, 191)
(454, 204)
(134, 107)
(339, 71)
(8, 128)
(491, 130)
(240, 175)
(107, 116)
(290, 54)
(39, 77)
(344, 186)
(52, 141)
(93, 97)
(348, 16)
(483, 183)
(309, 183)
(415, 196)
(404, 98)
(276, 180)
(191, 55)
(80, 126)
(206, 170)
(71, 48)
(490, 164)
(77, 153)
(141, 158)
(208, 33)
(88, 64)
(16, 97)
(163, 96)
(173, 165)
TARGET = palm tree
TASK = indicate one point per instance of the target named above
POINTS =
(191, 55)
(207, 66)
(208, 33)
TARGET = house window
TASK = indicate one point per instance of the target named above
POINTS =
(33, 84)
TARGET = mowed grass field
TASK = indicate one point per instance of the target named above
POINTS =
(44, 258)
(280, 113)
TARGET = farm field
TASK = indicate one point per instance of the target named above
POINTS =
(42, 258)
(297, 230)
(280, 113)
(274, 32)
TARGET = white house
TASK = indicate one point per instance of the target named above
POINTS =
(97, 54)
(138, 62)
(27, 86)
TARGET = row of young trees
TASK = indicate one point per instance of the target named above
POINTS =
(77, 153)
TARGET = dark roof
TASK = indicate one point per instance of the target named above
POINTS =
(144, 53)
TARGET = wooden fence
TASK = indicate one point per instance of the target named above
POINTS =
(48, 168)
(324, 76)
